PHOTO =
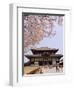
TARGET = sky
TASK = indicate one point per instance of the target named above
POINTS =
(55, 41)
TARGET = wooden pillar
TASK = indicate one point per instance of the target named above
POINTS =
(57, 64)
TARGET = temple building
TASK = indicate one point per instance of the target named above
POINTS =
(44, 56)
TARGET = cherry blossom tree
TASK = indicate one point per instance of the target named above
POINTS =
(36, 27)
